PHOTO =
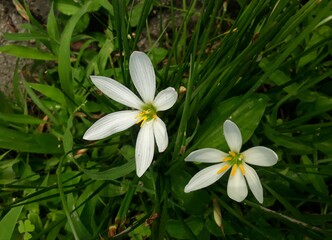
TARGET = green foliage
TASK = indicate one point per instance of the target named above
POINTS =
(263, 64)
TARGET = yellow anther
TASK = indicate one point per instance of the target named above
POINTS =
(242, 170)
(144, 116)
(223, 169)
(227, 159)
(233, 170)
(233, 154)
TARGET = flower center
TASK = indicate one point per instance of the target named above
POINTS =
(233, 160)
(148, 113)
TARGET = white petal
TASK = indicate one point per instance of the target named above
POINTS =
(144, 148)
(143, 76)
(206, 155)
(160, 134)
(260, 156)
(204, 178)
(165, 99)
(254, 182)
(233, 136)
(110, 124)
(117, 91)
(237, 187)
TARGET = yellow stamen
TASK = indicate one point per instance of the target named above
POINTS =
(143, 117)
(223, 169)
(242, 170)
(233, 170)
(233, 154)
(227, 159)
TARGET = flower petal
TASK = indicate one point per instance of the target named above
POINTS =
(237, 187)
(233, 136)
(204, 178)
(144, 148)
(117, 91)
(254, 182)
(260, 156)
(110, 124)
(143, 76)
(160, 134)
(165, 99)
(206, 155)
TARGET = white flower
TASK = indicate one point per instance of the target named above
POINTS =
(235, 160)
(152, 127)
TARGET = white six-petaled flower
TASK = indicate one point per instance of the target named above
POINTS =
(153, 129)
(237, 161)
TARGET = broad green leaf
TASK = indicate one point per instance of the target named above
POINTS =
(194, 203)
(65, 72)
(157, 55)
(128, 153)
(177, 231)
(136, 13)
(278, 77)
(104, 54)
(112, 173)
(8, 223)
(108, 6)
(114, 190)
(67, 7)
(7, 173)
(24, 142)
(53, 30)
(287, 141)
(315, 179)
(26, 52)
(246, 116)
(318, 35)
(39, 103)
(50, 91)
(20, 118)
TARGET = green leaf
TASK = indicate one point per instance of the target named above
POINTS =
(39, 103)
(287, 141)
(318, 35)
(8, 223)
(3, 155)
(157, 55)
(20, 118)
(65, 71)
(315, 179)
(176, 230)
(67, 7)
(27, 226)
(136, 13)
(50, 91)
(278, 77)
(246, 116)
(194, 203)
(24, 142)
(128, 153)
(112, 173)
(52, 26)
(26, 52)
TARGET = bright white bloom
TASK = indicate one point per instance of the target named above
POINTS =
(145, 113)
(237, 187)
